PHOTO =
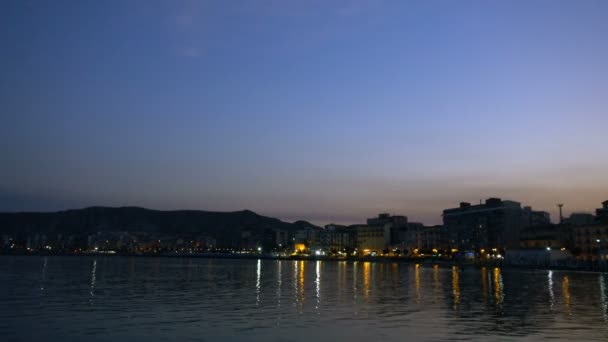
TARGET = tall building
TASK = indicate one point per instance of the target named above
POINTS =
(534, 218)
(372, 238)
(590, 240)
(580, 219)
(309, 237)
(493, 224)
(432, 238)
(396, 224)
(411, 238)
(338, 239)
(602, 213)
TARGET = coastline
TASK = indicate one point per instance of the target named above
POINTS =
(591, 267)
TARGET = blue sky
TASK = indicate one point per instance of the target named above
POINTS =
(329, 111)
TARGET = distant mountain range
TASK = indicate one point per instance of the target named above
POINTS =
(134, 219)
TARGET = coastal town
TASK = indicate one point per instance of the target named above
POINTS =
(495, 230)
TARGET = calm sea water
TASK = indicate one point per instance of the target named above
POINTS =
(155, 299)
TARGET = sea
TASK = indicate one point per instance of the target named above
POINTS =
(114, 298)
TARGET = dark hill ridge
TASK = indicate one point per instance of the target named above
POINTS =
(135, 219)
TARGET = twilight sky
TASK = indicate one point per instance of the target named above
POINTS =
(329, 111)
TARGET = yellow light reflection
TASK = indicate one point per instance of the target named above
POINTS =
(436, 276)
(394, 274)
(456, 286)
(301, 281)
(417, 281)
(566, 294)
(366, 276)
(484, 283)
(498, 286)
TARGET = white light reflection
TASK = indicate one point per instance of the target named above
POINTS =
(44, 267)
(295, 282)
(318, 283)
(93, 276)
(551, 294)
(603, 297)
(355, 280)
(257, 283)
(279, 283)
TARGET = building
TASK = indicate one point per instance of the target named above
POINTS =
(410, 239)
(580, 219)
(281, 238)
(309, 237)
(589, 240)
(396, 223)
(547, 236)
(494, 224)
(370, 239)
(533, 218)
(337, 239)
(432, 238)
(602, 213)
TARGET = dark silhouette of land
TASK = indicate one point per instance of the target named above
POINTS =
(76, 228)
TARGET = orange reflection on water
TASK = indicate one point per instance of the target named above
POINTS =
(484, 283)
(417, 281)
(394, 273)
(298, 282)
(498, 286)
(456, 285)
(341, 276)
(436, 276)
(366, 276)
(566, 293)
(301, 280)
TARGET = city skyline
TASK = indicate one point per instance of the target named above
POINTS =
(327, 112)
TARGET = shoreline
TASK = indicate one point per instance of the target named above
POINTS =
(588, 267)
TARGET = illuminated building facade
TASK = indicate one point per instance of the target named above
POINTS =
(372, 238)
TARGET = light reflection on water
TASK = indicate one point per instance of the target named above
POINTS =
(120, 299)
(456, 286)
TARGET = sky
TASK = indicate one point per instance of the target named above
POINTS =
(328, 111)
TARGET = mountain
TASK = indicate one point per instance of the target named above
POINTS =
(221, 225)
